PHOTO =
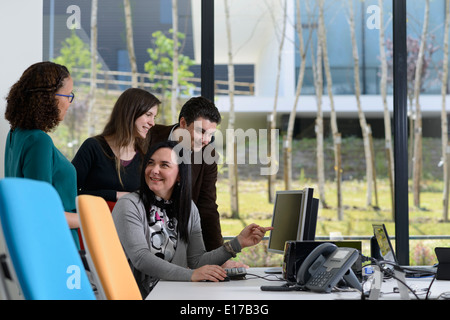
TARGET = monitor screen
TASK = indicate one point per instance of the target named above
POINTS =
(386, 250)
(289, 216)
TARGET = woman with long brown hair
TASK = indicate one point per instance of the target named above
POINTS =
(108, 165)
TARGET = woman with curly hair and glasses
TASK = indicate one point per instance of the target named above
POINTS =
(36, 104)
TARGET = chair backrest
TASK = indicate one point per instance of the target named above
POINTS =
(105, 254)
(39, 243)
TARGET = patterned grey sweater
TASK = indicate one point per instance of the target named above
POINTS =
(133, 230)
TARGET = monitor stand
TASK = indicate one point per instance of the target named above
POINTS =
(274, 270)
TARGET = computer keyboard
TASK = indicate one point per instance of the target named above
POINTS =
(236, 273)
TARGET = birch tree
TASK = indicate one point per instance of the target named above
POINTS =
(273, 116)
(231, 139)
(361, 116)
(292, 116)
(316, 64)
(174, 95)
(319, 118)
(333, 116)
(444, 125)
(93, 79)
(387, 115)
(417, 159)
(130, 42)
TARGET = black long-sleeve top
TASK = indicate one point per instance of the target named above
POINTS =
(96, 170)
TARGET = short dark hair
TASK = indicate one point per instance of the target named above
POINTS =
(197, 107)
(181, 195)
(31, 102)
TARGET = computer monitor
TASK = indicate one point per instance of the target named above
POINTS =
(309, 215)
(384, 242)
(294, 218)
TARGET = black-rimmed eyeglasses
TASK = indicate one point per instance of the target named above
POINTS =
(70, 96)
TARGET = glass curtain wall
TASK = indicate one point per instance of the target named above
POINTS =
(323, 76)
(305, 89)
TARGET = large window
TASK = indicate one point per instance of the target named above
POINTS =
(340, 137)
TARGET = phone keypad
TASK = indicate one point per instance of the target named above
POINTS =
(320, 279)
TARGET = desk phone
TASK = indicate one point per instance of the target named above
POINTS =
(325, 266)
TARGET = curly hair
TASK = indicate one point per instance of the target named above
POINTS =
(31, 102)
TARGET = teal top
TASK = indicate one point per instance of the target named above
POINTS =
(31, 154)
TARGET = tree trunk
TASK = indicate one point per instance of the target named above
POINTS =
(317, 60)
(130, 43)
(387, 115)
(93, 80)
(290, 129)
(333, 122)
(362, 118)
(417, 162)
(273, 125)
(337, 144)
(444, 125)
(174, 95)
(374, 172)
(231, 139)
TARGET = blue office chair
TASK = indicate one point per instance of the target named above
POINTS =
(42, 253)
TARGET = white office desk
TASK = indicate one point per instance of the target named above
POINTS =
(250, 289)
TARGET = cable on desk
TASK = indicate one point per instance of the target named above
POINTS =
(429, 287)
(388, 273)
(444, 296)
(264, 277)
(287, 286)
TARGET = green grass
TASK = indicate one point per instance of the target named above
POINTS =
(254, 206)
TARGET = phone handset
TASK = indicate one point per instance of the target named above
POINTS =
(325, 266)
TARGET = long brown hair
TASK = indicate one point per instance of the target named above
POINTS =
(130, 105)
